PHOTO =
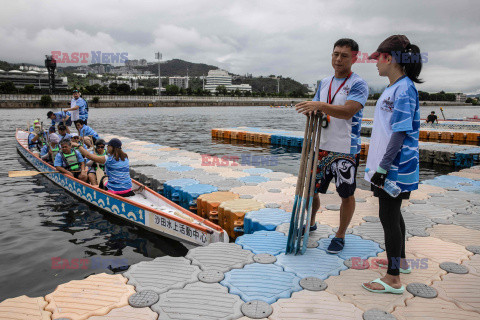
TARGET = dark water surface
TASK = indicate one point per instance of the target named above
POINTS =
(41, 222)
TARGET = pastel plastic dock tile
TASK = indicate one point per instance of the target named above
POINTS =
(233, 174)
(473, 264)
(227, 184)
(128, 312)
(274, 185)
(462, 289)
(207, 204)
(220, 256)
(162, 274)
(323, 231)
(24, 308)
(332, 218)
(416, 221)
(93, 296)
(270, 197)
(253, 179)
(266, 282)
(429, 211)
(167, 164)
(231, 214)
(314, 305)
(457, 234)
(257, 171)
(199, 301)
(448, 201)
(248, 190)
(271, 242)
(278, 176)
(355, 246)
(190, 193)
(292, 180)
(348, 287)
(265, 219)
(313, 263)
(436, 249)
(424, 309)
(468, 221)
(171, 188)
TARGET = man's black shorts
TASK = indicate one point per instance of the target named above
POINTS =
(342, 167)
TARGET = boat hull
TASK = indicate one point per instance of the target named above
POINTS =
(153, 220)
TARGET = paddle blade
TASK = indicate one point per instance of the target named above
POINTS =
(15, 174)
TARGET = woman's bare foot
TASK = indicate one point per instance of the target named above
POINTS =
(392, 281)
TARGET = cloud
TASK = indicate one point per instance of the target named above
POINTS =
(260, 37)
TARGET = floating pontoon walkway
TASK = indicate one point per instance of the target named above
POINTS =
(254, 279)
(450, 154)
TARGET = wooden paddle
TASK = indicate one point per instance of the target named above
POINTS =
(28, 173)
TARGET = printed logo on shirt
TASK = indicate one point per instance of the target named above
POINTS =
(387, 105)
(346, 90)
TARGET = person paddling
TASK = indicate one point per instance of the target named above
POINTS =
(117, 168)
(341, 97)
(70, 162)
(100, 151)
(393, 155)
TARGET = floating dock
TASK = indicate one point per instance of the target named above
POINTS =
(253, 278)
(450, 154)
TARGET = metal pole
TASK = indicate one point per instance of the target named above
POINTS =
(159, 57)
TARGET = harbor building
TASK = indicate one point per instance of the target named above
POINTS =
(220, 77)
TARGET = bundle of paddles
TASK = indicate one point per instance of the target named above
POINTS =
(302, 206)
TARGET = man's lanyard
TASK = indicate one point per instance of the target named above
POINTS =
(330, 99)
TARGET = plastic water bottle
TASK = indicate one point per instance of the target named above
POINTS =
(389, 187)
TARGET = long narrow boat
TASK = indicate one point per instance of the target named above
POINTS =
(146, 209)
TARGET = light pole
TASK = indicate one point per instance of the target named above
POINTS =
(158, 56)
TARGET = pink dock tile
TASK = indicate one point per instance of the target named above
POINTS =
(461, 289)
(332, 218)
(128, 312)
(348, 287)
(93, 296)
(436, 249)
(457, 234)
(24, 308)
(473, 264)
(427, 309)
(319, 305)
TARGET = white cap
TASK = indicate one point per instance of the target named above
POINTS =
(74, 134)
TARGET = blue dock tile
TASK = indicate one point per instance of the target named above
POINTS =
(355, 246)
(265, 282)
(253, 179)
(180, 168)
(272, 242)
(265, 219)
(190, 193)
(314, 263)
(171, 188)
(168, 164)
(257, 171)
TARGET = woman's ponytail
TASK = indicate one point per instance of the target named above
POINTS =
(413, 67)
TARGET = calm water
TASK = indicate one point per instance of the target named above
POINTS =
(41, 221)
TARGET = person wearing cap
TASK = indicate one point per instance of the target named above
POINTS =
(78, 108)
(62, 133)
(393, 152)
(76, 138)
(85, 131)
(100, 151)
(60, 118)
(117, 169)
(35, 137)
(70, 162)
(51, 149)
(341, 98)
(432, 117)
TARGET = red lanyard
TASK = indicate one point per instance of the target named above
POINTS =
(330, 88)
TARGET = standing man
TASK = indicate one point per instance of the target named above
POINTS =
(60, 117)
(78, 108)
(340, 98)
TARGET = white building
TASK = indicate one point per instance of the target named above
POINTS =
(220, 77)
(181, 82)
(460, 97)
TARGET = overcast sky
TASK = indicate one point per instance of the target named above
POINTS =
(262, 37)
